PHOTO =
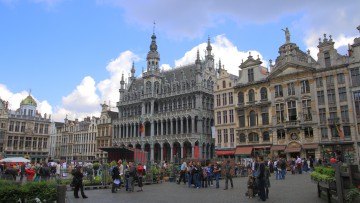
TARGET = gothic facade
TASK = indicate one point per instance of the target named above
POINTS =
(174, 107)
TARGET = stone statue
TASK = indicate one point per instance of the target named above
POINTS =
(287, 35)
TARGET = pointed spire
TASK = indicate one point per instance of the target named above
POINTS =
(197, 61)
(219, 64)
(209, 48)
(133, 70)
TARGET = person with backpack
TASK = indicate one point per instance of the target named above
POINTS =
(115, 173)
(204, 182)
(44, 172)
(210, 175)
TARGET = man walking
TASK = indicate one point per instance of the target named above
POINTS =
(298, 162)
(228, 171)
(132, 176)
(261, 178)
(182, 172)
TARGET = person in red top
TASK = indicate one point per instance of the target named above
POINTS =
(333, 160)
(30, 173)
(140, 173)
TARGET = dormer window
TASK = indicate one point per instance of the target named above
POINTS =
(327, 59)
(251, 75)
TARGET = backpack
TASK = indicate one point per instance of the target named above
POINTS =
(205, 174)
(112, 171)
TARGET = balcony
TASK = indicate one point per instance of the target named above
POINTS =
(292, 124)
(334, 121)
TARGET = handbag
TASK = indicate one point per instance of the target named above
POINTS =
(117, 181)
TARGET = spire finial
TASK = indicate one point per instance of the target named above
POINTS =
(29, 91)
(154, 27)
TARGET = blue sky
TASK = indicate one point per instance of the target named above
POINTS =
(71, 53)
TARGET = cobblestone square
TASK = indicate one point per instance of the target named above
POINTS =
(294, 189)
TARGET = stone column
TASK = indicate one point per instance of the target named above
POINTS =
(181, 151)
(171, 154)
(152, 152)
(193, 151)
(171, 127)
(193, 124)
(200, 150)
(162, 128)
(181, 126)
(152, 107)
(143, 108)
(130, 130)
(161, 153)
(152, 128)
(125, 130)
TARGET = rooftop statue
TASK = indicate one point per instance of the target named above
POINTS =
(287, 34)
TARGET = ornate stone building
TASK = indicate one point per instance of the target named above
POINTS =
(224, 112)
(303, 106)
(26, 131)
(175, 108)
(78, 140)
(4, 118)
(104, 130)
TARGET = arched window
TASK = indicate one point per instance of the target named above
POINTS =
(266, 136)
(148, 87)
(263, 92)
(252, 118)
(253, 137)
(242, 137)
(224, 84)
(251, 95)
(240, 97)
(157, 87)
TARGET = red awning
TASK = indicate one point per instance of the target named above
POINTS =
(293, 149)
(310, 146)
(243, 150)
(277, 147)
(261, 147)
(225, 153)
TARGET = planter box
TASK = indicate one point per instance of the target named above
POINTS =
(331, 185)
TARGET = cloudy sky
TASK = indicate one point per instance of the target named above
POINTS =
(71, 53)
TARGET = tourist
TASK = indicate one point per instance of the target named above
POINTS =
(116, 178)
(260, 175)
(228, 175)
(30, 173)
(22, 171)
(204, 181)
(278, 169)
(140, 173)
(44, 172)
(267, 181)
(121, 170)
(132, 176)
(58, 167)
(217, 171)
(210, 169)
(182, 172)
(190, 173)
(283, 168)
(77, 181)
(298, 164)
(311, 163)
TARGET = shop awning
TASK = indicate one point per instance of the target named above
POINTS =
(310, 146)
(277, 147)
(243, 150)
(225, 153)
(293, 149)
(262, 147)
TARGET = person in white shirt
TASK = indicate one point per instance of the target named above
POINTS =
(58, 166)
(298, 161)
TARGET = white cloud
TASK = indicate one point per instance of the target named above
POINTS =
(224, 50)
(15, 99)
(109, 88)
(83, 98)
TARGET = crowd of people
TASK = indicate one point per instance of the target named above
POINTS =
(32, 172)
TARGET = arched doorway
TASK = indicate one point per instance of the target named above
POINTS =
(187, 150)
(167, 152)
(157, 152)
(147, 149)
(177, 152)
(137, 146)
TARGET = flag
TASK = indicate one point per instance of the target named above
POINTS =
(141, 128)
(339, 131)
